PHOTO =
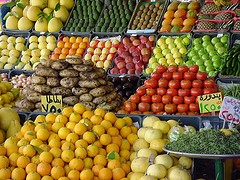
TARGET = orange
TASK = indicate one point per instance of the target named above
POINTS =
(56, 152)
(88, 163)
(76, 164)
(80, 128)
(23, 161)
(75, 45)
(12, 149)
(96, 119)
(68, 145)
(125, 154)
(166, 21)
(89, 137)
(125, 144)
(169, 14)
(44, 147)
(33, 175)
(79, 55)
(100, 111)
(54, 57)
(134, 129)
(81, 143)
(102, 151)
(63, 132)
(85, 39)
(67, 169)
(66, 39)
(166, 28)
(177, 22)
(98, 129)
(61, 118)
(79, 108)
(70, 125)
(100, 159)
(126, 168)
(73, 175)
(118, 173)
(65, 51)
(72, 137)
(56, 126)
(92, 150)
(114, 163)
(57, 172)
(39, 119)
(98, 144)
(60, 44)
(106, 124)
(105, 173)
(29, 151)
(53, 135)
(83, 45)
(132, 137)
(5, 173)
(87, 114)
(26, 128)
(4, 162)
(62, 56)
(86, 174)
(50, 117)
(75, 117)
(80, 50)
(54, 143)
(35, 159)
(67, 155)
(43, 134)
(80, 152)
(79, 39)
(96, 168)
(31, 167)
(57, 51)
(72, 39)
(13, 159)
(72, 51)
(18, 173)
(36, 142)
(125, 131)
(57, 162)
(110, 116)
(117, 140)
(67, 111)
(47, 178)
(105, 139)
(119, 123)
(112, 131)
(112, 147)
(46, 157)
(180, 13)
(128, 121)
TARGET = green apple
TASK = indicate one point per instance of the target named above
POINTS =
(205, 57)
(179, 61)
(161, 41)
(169, 40)
(214, 40)
(202, 68)
(174, 50)
(190, 63)
(171, 46)
(159, 55)
(224, 39)
(170, 60)
(148, 70)
(169, 55)
(162, 61)
(152, 60)
(221, 50)
(197, 41)
(186, 41)
(177, 41)
(157, 50)
(183, 50)
(154, 65)
(163, 46)
(218, 45)
(195, 58)
(206, 38)
(199, 62)
(165, 52)
(208, 63)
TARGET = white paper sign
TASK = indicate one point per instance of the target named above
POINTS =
(230, 110)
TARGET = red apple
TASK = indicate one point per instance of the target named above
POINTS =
(105, 50)
(130, 66)
(139, 65)
(132, 38)
(126, 40)
(132, 49)
(103, 57)
(123, 71)
(114, 71)
(118, 59)
(115, 43)
(143, 39)
(110, 57)
(121, 65)
(141, 46)
(145, 58)
(145, 51)
(136, 59)
(113, 50)
(101, 44)
(136, 42)
(138, 71)
(124, 54)
(90, 50)
(98, 51)
(128, 45)
(95, 58)
(136, 53)
(150, 44)
(108, 44)
(94, 43)
(128, 59)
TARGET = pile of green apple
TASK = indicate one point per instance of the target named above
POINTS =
(169, 50)
(207, 52)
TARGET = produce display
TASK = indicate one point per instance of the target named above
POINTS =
(115, 16)
(147, 15)
(73, 45)
(11, 47)
(133, 54)
(84, 16)
(76, 80)
(76, 144)
(169, 50)
(42, 16)
(102, 51)
(233, 91)
(207, 52)
(180, 16)
(148, 159)
(20, 81)
(171, 90)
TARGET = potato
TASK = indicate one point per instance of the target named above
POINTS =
(96, 92)
(106, 106)
(59, 64)
(38, 105)
(99, 100)
(77, 91)
(89, 105)
(34, 97)
(38, 79)
(24, 103)
(88, 62)
(102, 81)
(86, 97)
(88, 75)
(100, 71)
(61, 91)
(69, 82)
(89, 83)
(68, 73)
(26, 91)
(43, 88)
(75, 60)
(53, 81)
(71, 100)
(46, 62)
(83, 68)
(46, 72)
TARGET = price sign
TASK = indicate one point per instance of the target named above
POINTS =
(51, 103)
(230, 110)
(210, 102)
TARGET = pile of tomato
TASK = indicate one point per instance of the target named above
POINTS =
(171, 90)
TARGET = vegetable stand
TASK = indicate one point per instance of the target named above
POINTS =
(219, 169)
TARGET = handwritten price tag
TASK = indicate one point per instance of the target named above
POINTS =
(210, 102)
(51, 103)
(230, 110)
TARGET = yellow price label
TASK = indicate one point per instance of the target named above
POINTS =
(51, 103)
(210, 102)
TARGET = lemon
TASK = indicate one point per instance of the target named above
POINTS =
(34, 59)
(1, 65)
(35, 53)
(4, 59)
(25, 59)
(19, 46)
(3, 45)
(51, 39)
(3, 38)
(42, 45)
(55, 25)
(12, 23)
(33, 45)
(33, 39)
(24, 24)
(27, 67)
(47, 11)
(45, 52)
(12, 60)
(52, 4)
(41, 25)
(67, 3)
(227, 132)
(20, 65)
(14, 53)
(62, 13)
(25, 10)
(18, 11)
(33, 12)
(39, 3)
(10, 46)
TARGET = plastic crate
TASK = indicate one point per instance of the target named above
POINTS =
(137, 120)
(32, 116)
(23, 117)
(215, 121)
(15, 72)
(194, 121)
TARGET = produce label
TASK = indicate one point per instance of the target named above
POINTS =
(210, 102)
(51, 103)
(230, 110)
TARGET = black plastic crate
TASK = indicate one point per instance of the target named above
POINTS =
(215, 122)
(137, 120)
(235, 39)
(32, 116)
(194, 121)
(15, 72)
(23, 117)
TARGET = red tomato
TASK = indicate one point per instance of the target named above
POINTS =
(143, 107)
(129, 106)
(189, 76)
(208, 90)
(135, 98)
(177, 99)
(184, 92)
(189, 99)
(161, 91)
(201, 76)
(151, 91)
(167, 75)
(170, 108)
(194, 68)
(174, 84)
(151, 83)
(156, 75)
(183, 69)
(163, 83)
(197, 83)
(157, 107)
(166, 99)
(161, 69)
(194, 107)
(172, 92)
(141, 91)
(186, 84)
(172, 68)
(156, 98)
(177, 75)
(208, 83)
(196, 92)
(146, 98)
(182, 108)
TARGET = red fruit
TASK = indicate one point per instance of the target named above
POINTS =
(196, 92)
(161, 91)
(151, 91)
(161, 69)
(157, 107)
(197, 83)
(201, 76)
(166, 99)
(163, 83)
(151, 83)
(129, 106)
(194, 107)
(177, 75)
(144, 107)
(183, 69)
(174, 84)
(189, 76)
(156, 98)
(182, 108)
(172, 68)
(135, 98)
(156, 75)
(172, 92)
(146, 99)
(141, 91)
(167, 75)
(186, 84)
(194, 68)
(170, 108)
(177, 99)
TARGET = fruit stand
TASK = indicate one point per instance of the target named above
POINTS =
(119, 89)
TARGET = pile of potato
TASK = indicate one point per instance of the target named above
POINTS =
(76, 80)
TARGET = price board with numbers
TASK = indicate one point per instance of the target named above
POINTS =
(210, 102)
(51, 103)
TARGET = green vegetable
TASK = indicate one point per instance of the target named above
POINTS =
(209, 141)
(233, 91)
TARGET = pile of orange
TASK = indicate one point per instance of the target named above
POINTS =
(70, 46)
(76, 144)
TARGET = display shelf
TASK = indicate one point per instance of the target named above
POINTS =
(137, 120)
